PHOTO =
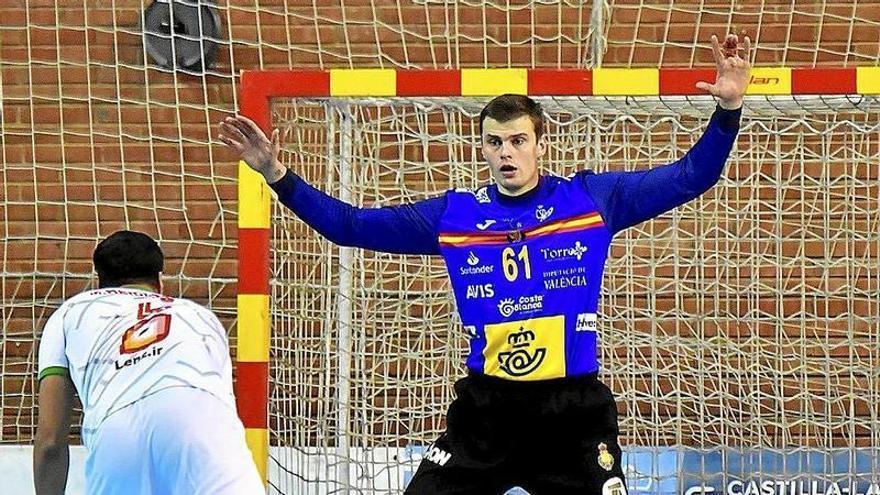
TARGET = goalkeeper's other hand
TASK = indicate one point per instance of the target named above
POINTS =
(732, 77)
(252, 145)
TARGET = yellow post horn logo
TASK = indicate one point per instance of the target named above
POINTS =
(606, 460)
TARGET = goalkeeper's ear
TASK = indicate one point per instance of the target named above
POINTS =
(542, 146)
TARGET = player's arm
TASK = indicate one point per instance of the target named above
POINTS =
(55, 403)
(406, 229)
(51, 451)
(628, 198)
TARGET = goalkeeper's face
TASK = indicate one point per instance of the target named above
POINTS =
(512, 150)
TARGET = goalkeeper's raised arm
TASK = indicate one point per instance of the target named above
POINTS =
(405, 229)
(628, 198)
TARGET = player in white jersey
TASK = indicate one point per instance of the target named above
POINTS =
(154, 377)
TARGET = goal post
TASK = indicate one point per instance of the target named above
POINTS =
(346, 358)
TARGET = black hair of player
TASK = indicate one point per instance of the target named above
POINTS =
(127, 257)
(510, 106)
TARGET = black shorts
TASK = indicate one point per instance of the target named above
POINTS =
(553, 437)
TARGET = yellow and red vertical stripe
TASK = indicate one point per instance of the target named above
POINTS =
(252, 372)
(254, 233)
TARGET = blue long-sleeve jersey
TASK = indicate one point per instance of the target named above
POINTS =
(526, 270)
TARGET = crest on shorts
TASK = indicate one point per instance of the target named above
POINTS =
(606, 460)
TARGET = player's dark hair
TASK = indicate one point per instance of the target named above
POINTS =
(509, 106)
(127, 257)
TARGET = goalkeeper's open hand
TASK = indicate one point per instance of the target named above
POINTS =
(732, 77)
(246, 138)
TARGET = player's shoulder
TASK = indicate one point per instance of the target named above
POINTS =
(581, 174)
(588, 178)
(84, 297)
(74, 303)
(575, 180)
(478, 195)
(185, 304)
(189, 308)
(109, 298)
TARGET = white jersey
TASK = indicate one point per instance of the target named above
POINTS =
(121, 345)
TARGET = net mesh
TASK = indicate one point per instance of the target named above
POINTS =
(745, 319)
(784, 33)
